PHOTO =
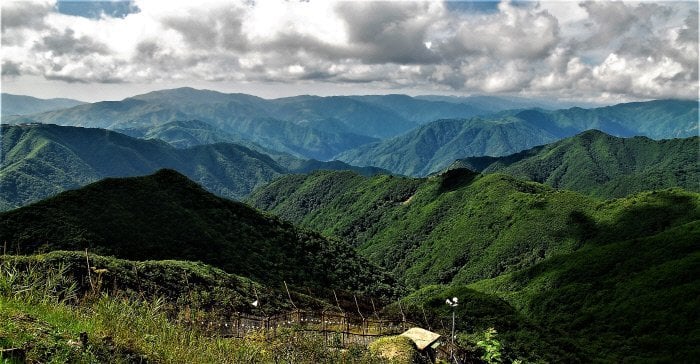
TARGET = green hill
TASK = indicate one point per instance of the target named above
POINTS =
(183, 133)
(39, 161)
(206, 290)
(166, 216)
(602, 165)
(632, 300)
(434, 146)
(583, 279)
(461, 226)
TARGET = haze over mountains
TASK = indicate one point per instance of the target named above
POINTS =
(304, 126)
(436, 145)
(23, 105)
(39, 161)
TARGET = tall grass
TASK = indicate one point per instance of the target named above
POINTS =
(40, 312)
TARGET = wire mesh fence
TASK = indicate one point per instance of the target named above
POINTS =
(338, 329)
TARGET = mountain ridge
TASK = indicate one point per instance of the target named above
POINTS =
(167, 216)
(600, 164)
(41, 160)
(417, 153)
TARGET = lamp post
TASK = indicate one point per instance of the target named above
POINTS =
(452, 303)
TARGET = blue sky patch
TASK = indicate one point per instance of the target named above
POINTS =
(95, 9)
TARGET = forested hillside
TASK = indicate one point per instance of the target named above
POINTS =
(166, 216)
(602, 165)
(434, 146)
(612, 280)
(461, 226)
(39, 161)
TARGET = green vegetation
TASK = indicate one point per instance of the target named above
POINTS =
(602, 165)
(45, 321)
(477, 314)
(166, 216)
(39, 161)
(460, 226)
(206, 291)
(577, 279)
(434, 146)
(545, 269)
(396, 349)
(633, 300)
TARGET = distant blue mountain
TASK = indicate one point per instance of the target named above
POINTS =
(434, 146)
(24, 105)
(304, 126)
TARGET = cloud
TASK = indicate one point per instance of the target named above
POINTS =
(24, 14)
(10, 68)
(66, 42)
(389, 32)
(591, 50)
(512, 33)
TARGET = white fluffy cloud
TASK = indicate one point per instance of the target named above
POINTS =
(588, 50)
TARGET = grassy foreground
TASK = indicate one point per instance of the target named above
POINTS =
(47, 321)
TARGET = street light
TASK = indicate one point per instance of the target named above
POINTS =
(452, 303)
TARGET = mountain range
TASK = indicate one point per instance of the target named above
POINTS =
(305, 126)
(434, 146)
(167, 216)
(40, 160)
(461, 226)
(24, 105)
(310, 127)
(572, 233)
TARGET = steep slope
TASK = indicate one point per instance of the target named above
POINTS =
(460, 226)
(590, 280)
(24, 105)
(166, 216)
(633, 300)
(42, 160)
(435, 145)
(602, 165)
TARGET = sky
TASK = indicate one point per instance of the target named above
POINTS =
(594, 51)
